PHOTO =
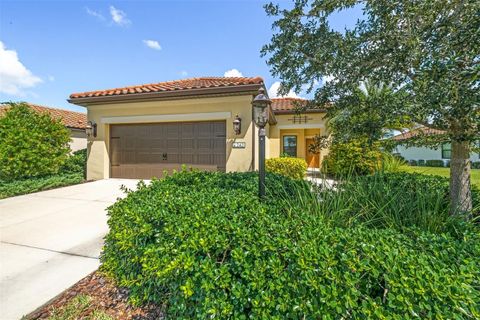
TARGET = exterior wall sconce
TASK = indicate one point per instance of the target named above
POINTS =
(237, 125)
(91, 129)
(260, 106)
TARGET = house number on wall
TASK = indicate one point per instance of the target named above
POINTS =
(238, 145)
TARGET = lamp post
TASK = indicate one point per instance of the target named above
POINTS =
(260, 106)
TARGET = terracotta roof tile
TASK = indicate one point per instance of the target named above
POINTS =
(184, 84)
(69, 118)
(289, 105)
(415, 132)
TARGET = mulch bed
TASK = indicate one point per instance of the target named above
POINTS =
(105, 297)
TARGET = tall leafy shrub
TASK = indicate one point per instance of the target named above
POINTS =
(356, 157)
(31, 144)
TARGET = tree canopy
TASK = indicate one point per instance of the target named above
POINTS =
(426, 52)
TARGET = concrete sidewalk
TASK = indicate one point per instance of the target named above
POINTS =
(50, 240)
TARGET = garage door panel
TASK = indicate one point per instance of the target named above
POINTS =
(146, 150)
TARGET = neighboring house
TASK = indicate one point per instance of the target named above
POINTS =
(443, 152)
(146, 129)
(75, 122)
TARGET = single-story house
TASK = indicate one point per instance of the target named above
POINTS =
(140, 131)
(443, 152)
(75, 122)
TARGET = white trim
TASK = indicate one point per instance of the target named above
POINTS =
(168, 117)
(302, 126)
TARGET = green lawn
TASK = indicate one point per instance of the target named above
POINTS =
(444, 172)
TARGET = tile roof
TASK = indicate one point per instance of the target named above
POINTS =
(289, 105)
(184, 84)
(415, 132)
(70, 119)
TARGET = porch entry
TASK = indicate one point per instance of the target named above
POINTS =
(311, 158)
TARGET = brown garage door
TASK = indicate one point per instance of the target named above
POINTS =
(143, 151)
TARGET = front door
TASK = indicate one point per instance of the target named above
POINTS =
(312, 159)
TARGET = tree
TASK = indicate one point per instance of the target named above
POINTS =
(428, 52)
(31, 144)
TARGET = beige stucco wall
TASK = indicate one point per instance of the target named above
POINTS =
(78, 140)
(316, 124)
(98, 163)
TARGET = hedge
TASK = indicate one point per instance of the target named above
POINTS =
(294, 168)
(204, 246)
(434, 163)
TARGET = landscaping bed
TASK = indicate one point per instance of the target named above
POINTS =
(203, 245)
(71, 172)
(36, 184)
(94, 298)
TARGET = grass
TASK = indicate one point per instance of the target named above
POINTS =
(24, 186)
(76, 308)
(444, 172)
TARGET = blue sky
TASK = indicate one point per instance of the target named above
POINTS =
(50, 49)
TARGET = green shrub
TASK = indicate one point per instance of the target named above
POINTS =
(76, 163)
(12, 188)
(434, 163)
(413, 163)
(203, 245)
(294, 168)
(421, 163)
(351, 158)
(476, 165)
(31, 144)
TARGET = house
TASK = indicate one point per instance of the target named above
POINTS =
(140, 131)
(75, 122)
(443, 152)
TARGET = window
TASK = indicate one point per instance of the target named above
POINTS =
(290, 145)
(447, 151)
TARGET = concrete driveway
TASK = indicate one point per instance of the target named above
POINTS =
(50, 240)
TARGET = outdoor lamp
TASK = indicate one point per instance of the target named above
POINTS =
(260, 106)
(91, 129)
(237, 125)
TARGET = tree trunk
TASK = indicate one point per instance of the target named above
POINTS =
(460, 192)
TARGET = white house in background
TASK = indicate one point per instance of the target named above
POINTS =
(443, 152)
(75, 122)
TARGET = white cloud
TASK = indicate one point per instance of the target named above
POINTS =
(14, 76)
(184, 73)
(119, 17)
(233, 73)
(95, 14)
(153, 44)
(51, 78)
(273, 91)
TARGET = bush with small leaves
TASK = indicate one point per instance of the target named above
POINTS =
(204, 246)
(76, 163)
(294, 168)
(31, 144)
